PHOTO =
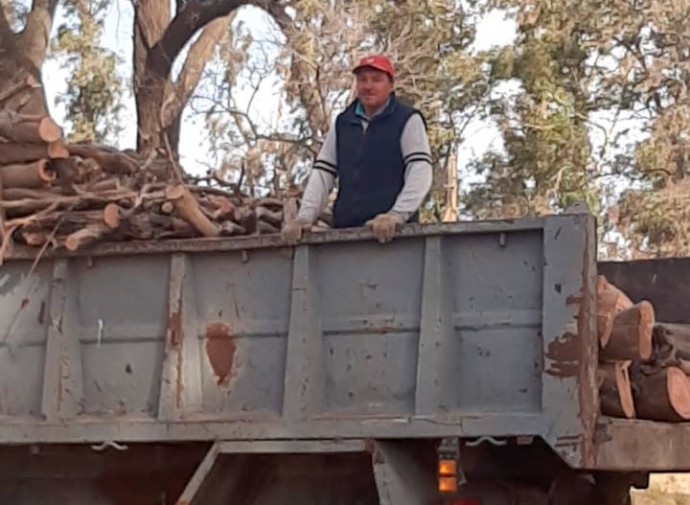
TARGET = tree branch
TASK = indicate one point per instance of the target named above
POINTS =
(195, 15)
(197, 58)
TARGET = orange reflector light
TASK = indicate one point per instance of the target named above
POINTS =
(448, 467)
(447, 484)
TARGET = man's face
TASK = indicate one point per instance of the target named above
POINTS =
(373, 88)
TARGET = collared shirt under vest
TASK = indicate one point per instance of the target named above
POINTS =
(371, 168)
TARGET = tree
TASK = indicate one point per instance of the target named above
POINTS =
(160, 38)
(94, 100)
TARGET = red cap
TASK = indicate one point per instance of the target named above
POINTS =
(378, 62)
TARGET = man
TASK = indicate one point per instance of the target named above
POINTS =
(379, 152)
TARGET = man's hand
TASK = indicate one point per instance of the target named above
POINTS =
(292, 231)
(384, 226)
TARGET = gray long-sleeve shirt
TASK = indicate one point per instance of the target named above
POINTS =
(416, 152)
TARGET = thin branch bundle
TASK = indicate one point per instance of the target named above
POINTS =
(643, 364)
(72, 196)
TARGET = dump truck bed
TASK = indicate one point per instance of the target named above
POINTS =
(482, 329)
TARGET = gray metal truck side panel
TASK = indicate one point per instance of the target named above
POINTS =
(451, 330)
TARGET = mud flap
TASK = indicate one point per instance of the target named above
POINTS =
(400, 479)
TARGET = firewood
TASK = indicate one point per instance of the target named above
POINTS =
(246, 217)
(86, 236)
(677, 336)
(35, 238)
(662, 396)
(188, 208)
(28, 128)
(274, 218)
(265, 228)
(57, 150)
(615, 392)
(15, 152)
(631, 334)
(110, 162)
(231, 229)
(111, 216)
(610, 302)
(167, 207)
(27, 193)
(30, 175)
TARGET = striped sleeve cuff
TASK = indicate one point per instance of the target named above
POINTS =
(331, 168)
(418, 156)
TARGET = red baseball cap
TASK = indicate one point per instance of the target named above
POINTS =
(378, 62)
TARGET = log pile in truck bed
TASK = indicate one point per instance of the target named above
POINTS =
(644, 364)
(58, 195)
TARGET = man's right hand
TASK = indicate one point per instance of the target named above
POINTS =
(292, 232)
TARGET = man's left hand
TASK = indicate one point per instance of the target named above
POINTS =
(384, 226)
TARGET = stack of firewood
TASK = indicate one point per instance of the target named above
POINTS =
(643, 364)
(54, 194)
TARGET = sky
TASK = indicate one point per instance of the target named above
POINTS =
(494, 30)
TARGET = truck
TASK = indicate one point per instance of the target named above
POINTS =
(441, 369)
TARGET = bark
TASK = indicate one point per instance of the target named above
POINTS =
(153, 75)
(32, 175)
(34, 39)
(662, 396)
(610, 302)
(178, 95)
(631, 334)
(615, 392)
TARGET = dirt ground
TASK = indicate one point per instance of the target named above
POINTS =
(670, 489)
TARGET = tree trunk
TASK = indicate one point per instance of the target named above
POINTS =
(158, 42)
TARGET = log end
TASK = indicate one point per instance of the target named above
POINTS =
(174, 192)
(57, 150)
(49, 131)
(111, 216)
(678, 385)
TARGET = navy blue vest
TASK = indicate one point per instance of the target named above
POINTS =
(371, 169)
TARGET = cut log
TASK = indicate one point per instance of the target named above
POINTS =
(111, 216)
(31, 175)
(111, 162)
(266, 228)
(615, 392)
(230, 229)
(188, 208)
(662, 396)
(28, 128)
(246, 217)
(610, 302)
(11, 152)
(631, 334)
(86, 236)
(676, 336)
(167, 207)
(57, 150)
(274, 218)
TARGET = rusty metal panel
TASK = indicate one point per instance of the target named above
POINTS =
(570, 394)
(451, 330)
